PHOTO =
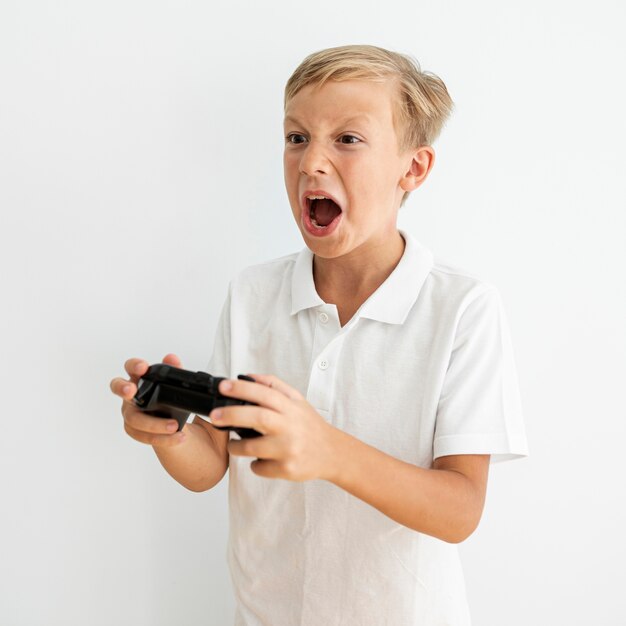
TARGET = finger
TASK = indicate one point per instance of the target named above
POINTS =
(256, 447)
(160, 441)
(123, 388)
(140, 421)
(276, 383)
(267, 468)
(253, 392)
(264, 421)
(136, 368)
(172, 359)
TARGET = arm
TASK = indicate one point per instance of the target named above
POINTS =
(445, 501)
(196, 457)
(201, 461)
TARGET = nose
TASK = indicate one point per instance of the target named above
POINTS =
(314, 160)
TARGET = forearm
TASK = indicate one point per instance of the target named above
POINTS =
(196, 463)
(437, 502)
(298, 444)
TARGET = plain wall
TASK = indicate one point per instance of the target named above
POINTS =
(141, 168)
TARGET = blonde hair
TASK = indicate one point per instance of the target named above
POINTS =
(423, 105)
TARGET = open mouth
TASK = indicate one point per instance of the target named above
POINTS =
(322, 210)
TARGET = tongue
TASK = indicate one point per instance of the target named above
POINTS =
(325, 211)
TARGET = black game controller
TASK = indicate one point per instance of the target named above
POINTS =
(173, 393)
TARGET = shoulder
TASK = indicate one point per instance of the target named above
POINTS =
(442, 285)
(264, 279)
(451, 292)
(459, 286)
(267, 269)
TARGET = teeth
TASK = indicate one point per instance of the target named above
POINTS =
(317, 197)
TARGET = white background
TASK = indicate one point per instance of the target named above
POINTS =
(141, 168)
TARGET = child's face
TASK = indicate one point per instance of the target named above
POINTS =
(341, 143)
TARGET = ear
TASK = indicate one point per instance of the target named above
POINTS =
(421, 162)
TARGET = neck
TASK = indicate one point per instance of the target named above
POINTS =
(354, 277)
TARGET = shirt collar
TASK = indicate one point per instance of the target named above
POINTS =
(390, 303)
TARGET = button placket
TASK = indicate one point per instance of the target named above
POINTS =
(326, 346)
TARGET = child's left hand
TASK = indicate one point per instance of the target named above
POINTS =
(296, 442)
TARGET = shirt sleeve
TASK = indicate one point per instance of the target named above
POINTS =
(479, 409)
(219, 363)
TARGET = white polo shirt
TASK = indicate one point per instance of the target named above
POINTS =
(424, 369)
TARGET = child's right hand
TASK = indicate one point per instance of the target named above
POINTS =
(155, 431)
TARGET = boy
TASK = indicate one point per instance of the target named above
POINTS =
(387, 381)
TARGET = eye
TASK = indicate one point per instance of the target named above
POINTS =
(349, 139)
(295, 138)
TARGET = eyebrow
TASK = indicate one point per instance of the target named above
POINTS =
(343, 122)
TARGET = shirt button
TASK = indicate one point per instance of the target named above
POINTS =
(323, 318)
(323, 364)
